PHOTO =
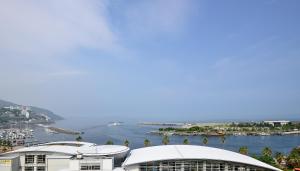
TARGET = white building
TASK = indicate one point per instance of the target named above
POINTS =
(277, 123)
(78, 156)
(190, 158)
(64, 156)
(25, 111)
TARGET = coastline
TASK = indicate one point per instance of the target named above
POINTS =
(223, 134)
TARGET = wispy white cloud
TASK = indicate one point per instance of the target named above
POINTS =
(38, 40)
(52, 28)
(152, 17)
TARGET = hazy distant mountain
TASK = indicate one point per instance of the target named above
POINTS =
(34, 109)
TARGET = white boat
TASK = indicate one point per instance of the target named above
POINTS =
(115, 124)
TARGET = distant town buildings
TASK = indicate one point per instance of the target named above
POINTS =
(25, 111)
(277, 123)
(17, 137)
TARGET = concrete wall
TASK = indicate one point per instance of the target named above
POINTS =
(107, 164)
(57, 164)
(9, 164)
(132, 168)
(5, 165)
(74, 165)
(15, 164)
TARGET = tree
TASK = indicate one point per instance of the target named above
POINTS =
(293, 159)
(243, 150)
(223, 139)
(9, 144)
(186, 141)
(205, 140)
(126, 143)
(279, 157)
(266, 152)
(79, 138)
(165, 140)
(109, 142)
(267, 159)
(146, 143)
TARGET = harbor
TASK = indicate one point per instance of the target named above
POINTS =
(17, 137)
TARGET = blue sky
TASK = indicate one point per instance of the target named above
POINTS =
(153, 60)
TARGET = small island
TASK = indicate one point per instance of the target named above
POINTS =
(263, 128)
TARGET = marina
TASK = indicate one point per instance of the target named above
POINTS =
(17, 137)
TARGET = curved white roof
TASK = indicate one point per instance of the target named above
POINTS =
(179, 152)
(84, 148)
(66, 143)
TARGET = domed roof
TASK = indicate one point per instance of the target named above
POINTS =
(179, 152)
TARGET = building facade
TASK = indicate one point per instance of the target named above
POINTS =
(64, 156)
(277, 123)
(82, 156)
(191, 158)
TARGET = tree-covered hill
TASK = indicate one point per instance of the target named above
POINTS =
(36, 110)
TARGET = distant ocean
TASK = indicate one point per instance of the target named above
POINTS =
(98, 131)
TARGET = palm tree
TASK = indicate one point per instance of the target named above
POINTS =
(147, 143)
(243, 150)
(79, 138)
(279, 157)
(223, 139)
(186, 141)
(205, 140)
(126, 143)
(109, 142)
(293, 159)
(266, 152)
(165, 140)
(9, 144)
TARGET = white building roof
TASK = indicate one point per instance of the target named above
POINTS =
(71, 143)
(179, 152)
(86, 149)
(281, 121)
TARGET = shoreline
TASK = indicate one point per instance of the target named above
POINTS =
(223, 134)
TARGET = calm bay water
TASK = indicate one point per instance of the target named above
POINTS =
(97, 131)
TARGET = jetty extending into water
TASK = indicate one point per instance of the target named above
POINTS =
(60, 130)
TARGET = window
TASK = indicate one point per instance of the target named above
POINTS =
(208, 166)
(200, 166)
(90, 167)
(230, 167)
(40, 168)
(96, 167)
(194, 165)
(165, 166)
(29, 159)
(178, 166)
(215, 167)
(41, 158)
(241, 168)
(29, 168)
(187, 166)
